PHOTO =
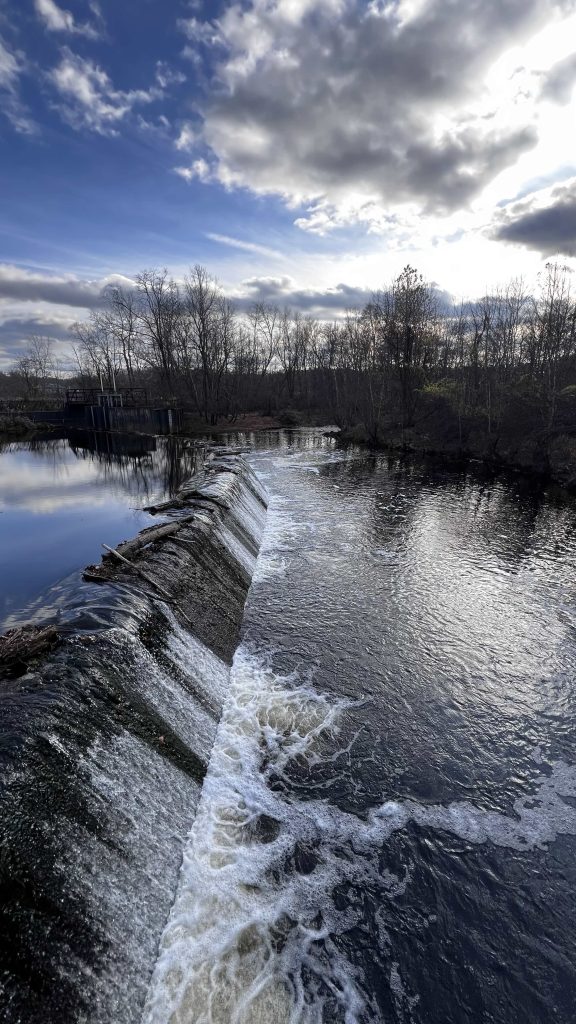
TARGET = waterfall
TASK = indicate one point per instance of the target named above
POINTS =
(103, 752)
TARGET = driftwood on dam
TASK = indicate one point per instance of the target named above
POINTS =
(21, 646)
(190, 493)
(203, 501)
(114, 553)
(149, 536)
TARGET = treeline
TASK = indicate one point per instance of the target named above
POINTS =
(479, 377)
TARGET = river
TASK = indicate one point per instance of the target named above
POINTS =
(386, 831)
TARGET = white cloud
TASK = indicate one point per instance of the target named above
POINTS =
(203, 32)
(12, 66)
(56, 19)
(166, 76)
(187, 138)
(9, 68)
(361, 113)
(159, 126)
(89, 97)
(199, 169)
(237, 243)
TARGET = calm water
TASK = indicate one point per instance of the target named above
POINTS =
(60, 499)
(387, 828)
(386, 832)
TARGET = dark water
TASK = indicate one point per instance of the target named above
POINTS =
(387, 828)
(60, 499)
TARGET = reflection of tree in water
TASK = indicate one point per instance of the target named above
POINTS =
(496, 514)
(142, 465)
(53, 450)
(50, 446)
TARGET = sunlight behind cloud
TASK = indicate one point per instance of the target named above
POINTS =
(355, 142)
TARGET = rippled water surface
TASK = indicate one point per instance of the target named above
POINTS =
(386, 831)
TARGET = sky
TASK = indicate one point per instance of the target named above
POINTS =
(304, 151)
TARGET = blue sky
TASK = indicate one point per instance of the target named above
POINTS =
(303, 150)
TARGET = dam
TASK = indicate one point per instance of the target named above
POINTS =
(104, 749)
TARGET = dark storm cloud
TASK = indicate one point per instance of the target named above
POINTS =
(38, 286)
(323, 303)
(549, 229)
(281, 292)
(360, 98)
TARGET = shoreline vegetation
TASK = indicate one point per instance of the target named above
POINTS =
(492, 379)
(562, 473)
(15, 426)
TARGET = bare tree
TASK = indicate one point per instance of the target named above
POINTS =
(211, 335)
(157, 312)
(37, 365)
(120, 319)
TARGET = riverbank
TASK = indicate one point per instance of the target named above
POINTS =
(255, 421)
(193, 425)
(16, 425)
(20, 427)
(553, 461)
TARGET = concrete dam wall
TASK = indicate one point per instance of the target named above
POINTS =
(103, 751)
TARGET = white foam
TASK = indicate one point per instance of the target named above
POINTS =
(401, 997)
(282, 536)
(218, 958)
(221, 959)
(205, 669)
(539, 818)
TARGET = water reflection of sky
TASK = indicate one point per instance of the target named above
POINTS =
(60, 500)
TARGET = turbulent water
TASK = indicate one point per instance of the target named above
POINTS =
(370, 818)
(386, 830)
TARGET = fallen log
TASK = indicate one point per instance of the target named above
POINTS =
(150, 536)
(20, 646)
(183, 500)
(149, 579)
(165, 506)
